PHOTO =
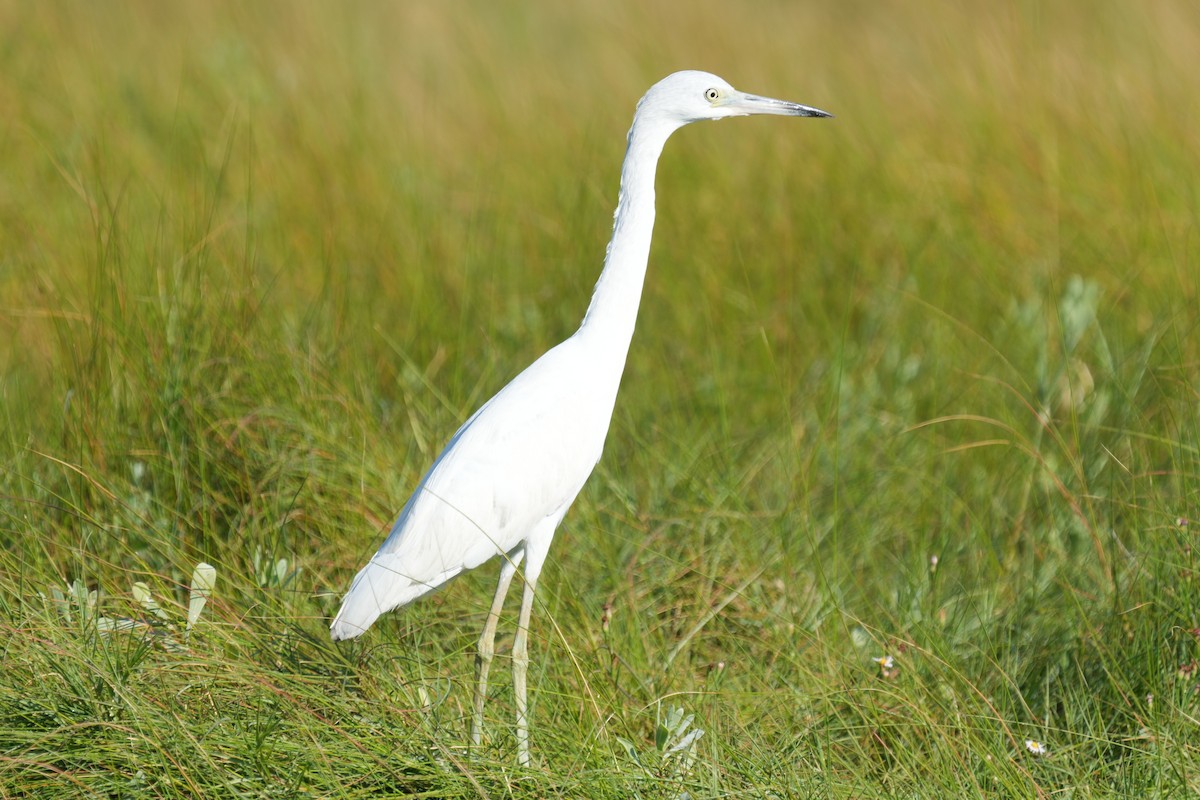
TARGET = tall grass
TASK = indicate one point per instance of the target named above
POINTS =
(918, 383)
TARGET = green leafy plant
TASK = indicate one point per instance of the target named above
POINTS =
(673, 757)
(79, 605)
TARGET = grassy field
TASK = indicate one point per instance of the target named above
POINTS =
(918, 383)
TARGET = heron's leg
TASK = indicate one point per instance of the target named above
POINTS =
(487, 643)
(520, 655)
(537, 546)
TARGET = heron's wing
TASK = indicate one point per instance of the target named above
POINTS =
(522, 457)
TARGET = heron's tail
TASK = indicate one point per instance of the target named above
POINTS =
(380, 586)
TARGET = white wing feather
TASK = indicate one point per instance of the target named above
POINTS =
(522, 457)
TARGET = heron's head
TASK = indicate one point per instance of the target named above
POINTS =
(691, 95)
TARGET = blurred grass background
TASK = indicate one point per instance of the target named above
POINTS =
(922, 381)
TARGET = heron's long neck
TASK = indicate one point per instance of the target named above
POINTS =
(610, 318)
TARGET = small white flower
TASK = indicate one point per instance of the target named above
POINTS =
(1035, 747)
(933, 562)
(887, 667)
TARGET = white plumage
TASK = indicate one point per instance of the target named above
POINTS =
(491, 486)
(507, 477)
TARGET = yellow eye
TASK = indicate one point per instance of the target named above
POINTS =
(712, 94)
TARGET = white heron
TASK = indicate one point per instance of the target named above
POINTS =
(505, 480)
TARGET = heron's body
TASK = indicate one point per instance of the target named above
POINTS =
(507, 477)
(468, 496)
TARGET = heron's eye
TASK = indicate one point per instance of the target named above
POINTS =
(711, 95)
